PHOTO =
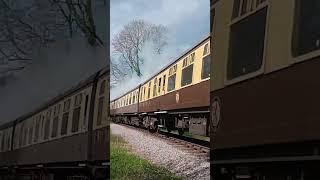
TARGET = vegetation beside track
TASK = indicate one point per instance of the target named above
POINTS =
(126, 165)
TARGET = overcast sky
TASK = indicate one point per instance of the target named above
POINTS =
(54, 70)
(187, 22)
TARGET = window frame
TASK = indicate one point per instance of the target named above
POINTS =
(202, 67)
(192, 75)
(175, 82)
(154, 92)
(303, 57)
(261, 70)
(172, 72)
(100, 111)
(164, 82)
(159, 85)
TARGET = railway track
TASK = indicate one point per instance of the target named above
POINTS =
(196, 147)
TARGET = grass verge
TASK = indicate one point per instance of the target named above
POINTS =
(126, 166)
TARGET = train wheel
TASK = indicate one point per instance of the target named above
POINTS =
(181, 131)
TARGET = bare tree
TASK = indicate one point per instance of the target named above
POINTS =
(30, 24)
(117, 73)
(128, 44)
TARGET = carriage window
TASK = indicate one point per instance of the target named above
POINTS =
(86, 106)
(5, 141)
(9, 140)
(206, 49)
(2, 141)
(236, 8)
(159, 86)
(244, 6)
(47, 128)
(25, 136)
(127, 100)
(307, 27)
(66, 105)
(205, 67)
(36, 135)
(100, 109)
(155, 87)
(134, 98)
(171, 83)
(187, 75)
(21, 135)
(164, 82)
(140, 96)
(102, 87)
(78, 99)
(55, 127)
(75, 119)
(64, 124)
(149, 89)
(247, 59)
(192, 56)
(30, 134)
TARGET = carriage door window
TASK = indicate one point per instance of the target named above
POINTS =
(144, 93)
(47, 125)
(164, 82)
(37, 129)
(159, 86)
(307, 36)
(206, 62)
(187, 70)
(0, 140)
(245, 59)
(31, 131)
(101, 105)
(102, 87)
(154, 87)
(85, 110)
(100, 109)
(55, 122)
(172, 78)
(65, 117)
(149, 90)
(24, 134)
(76, 113)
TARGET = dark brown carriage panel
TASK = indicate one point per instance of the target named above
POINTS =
(67, 149)
(112, 112)
(7, 159)
(273, 108)
(133, 108)
(101, 144)
(189, 97)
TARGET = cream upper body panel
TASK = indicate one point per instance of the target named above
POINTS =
(280, 30)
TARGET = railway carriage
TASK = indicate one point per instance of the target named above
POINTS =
(65, 138)
(264, 92)
(176, 98)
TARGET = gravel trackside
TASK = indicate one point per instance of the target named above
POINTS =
(160, 152)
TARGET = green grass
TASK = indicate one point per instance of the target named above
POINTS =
(126, 166)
